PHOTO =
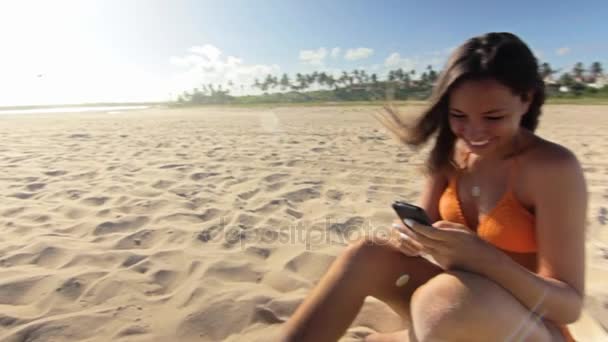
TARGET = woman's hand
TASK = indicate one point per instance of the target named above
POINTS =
(405, 239)
(453, 245)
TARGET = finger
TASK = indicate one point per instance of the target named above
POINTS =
(428, 232)
(408, 246)
(404, 243)
(409, 251)
(409, 243)
(406, 236)
(448, 225)
(404, 229)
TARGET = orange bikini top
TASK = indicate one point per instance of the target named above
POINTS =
(509, 225)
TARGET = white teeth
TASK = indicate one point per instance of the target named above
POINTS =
(479, 143)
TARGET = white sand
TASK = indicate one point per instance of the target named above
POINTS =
(213, 224)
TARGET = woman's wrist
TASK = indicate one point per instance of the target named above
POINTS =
(491, 261)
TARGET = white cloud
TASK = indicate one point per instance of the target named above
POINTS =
(538, 53)
(207, 51)
(205, 64)
(335, 52)
(562, 51)
(313, 57)
(358, 53)
(394, 60)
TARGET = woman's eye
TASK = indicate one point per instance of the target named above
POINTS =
(494, 118)
(457, 116)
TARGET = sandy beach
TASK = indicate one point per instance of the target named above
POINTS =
(213, 224)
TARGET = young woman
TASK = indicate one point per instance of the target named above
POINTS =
(509, 209)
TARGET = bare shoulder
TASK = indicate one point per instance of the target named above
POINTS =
(549, 163)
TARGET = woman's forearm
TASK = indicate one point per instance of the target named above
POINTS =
(550, 298)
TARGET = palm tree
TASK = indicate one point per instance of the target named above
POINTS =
(596, 70)
(301, 80)
(331, 82)
(364, 76)
(432, 74)
(343, 78)
(284, 83)
(566, 79)
(322, 78)
(545, 70)
(399, 76)
(356, 76)
(578, 71)
(374, 79)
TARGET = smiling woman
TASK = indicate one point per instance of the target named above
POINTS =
(505, 235)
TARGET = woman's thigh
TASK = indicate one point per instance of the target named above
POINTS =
(462, 306)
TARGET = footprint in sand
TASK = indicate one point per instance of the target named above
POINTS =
(271, 206)
(334, 195)
(296, 163)
(202, 175)
(21, 195)
(95, 201)
(236, 271)
(275, 186)
(275, 177)
(35, 186)
(260, 252)
(172, 166)
(125, 224)
(133, 260)
(352, 224)
(247, 221)
(302, 195)
(211, 233)
(79, 136)
(56, 173)
(207, 215)
(265, 315)
(294, 213)
(164, 279)
(138, 240)
(71, 288)
(310, 265)
(248, 194)
(162, 184)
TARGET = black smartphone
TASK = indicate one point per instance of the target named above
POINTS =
(412, 212)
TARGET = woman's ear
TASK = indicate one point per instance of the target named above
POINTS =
(526, 100)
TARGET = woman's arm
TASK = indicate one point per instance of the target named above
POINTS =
(556, 292)
(434, 186)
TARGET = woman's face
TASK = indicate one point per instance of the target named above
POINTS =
(485, 115)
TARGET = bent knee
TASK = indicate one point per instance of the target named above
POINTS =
(370, 250)
(452, 302)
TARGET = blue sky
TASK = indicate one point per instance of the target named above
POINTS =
(111, 50)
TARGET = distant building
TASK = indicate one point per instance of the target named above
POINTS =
(600, 82)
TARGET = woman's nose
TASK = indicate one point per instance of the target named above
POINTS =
(474, 131)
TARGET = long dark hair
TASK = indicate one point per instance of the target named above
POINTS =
(500, 56)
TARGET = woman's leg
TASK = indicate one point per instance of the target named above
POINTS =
(369, 267)
(463, 306)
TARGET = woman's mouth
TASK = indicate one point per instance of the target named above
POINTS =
(479, 143)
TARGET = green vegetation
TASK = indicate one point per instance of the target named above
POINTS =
(579, 86)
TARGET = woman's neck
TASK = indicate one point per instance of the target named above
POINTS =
(510, 149)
